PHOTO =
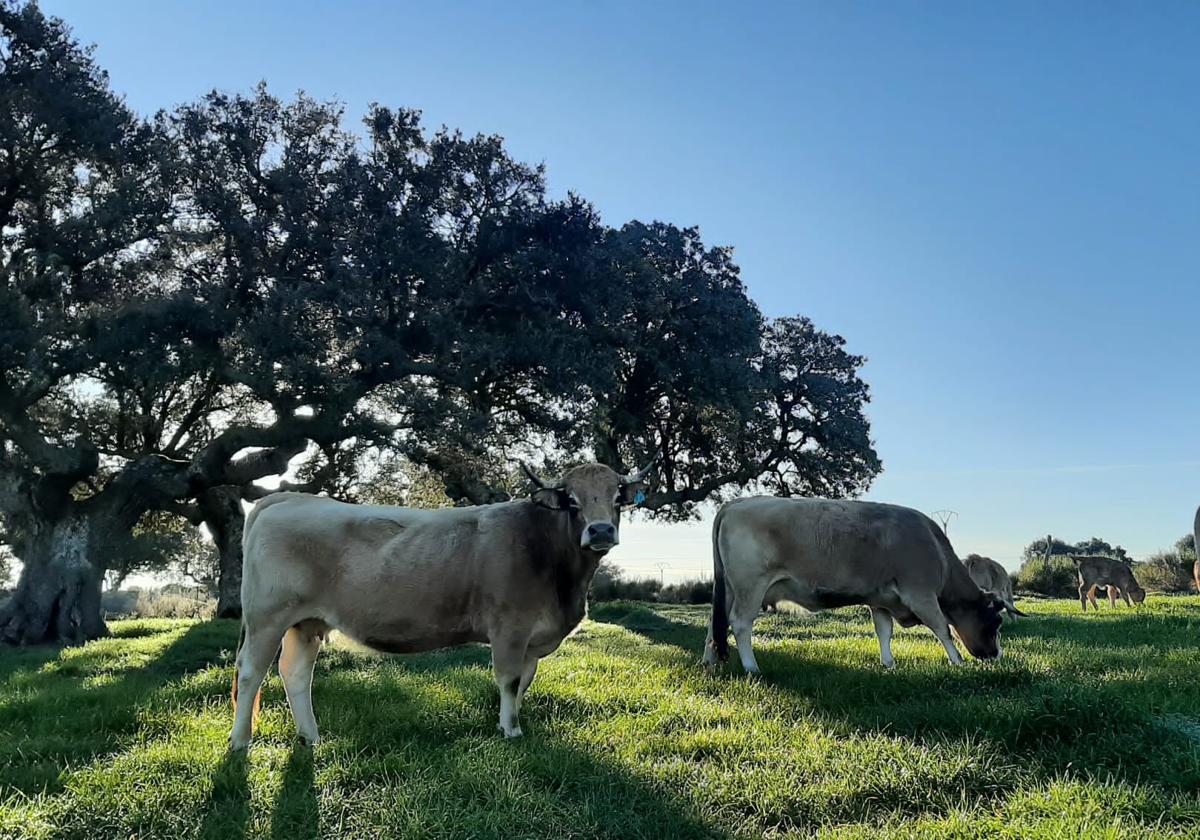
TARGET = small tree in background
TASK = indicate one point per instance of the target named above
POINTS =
(1170, 570)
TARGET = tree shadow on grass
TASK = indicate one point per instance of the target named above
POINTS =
(427, 753)
(63, 707)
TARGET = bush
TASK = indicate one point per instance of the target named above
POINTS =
(1055, 577)
(168, 602)
(618, 589)
(693, 591)
(1165, 571)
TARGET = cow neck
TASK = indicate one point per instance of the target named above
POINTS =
(958, 588)
(569, 566)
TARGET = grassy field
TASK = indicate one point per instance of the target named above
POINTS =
(1089, 727)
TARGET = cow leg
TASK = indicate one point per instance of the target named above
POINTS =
(508, 663)
(1124, 597)
(301, 644)
(531, 664)
(253, 660)
(931, 616)
(883, 629)
(1084, 595)
(747, 602)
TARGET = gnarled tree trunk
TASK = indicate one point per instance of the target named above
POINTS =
(58, 595)
(223, 514)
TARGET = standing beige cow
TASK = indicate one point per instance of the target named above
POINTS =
(992, 578)
(821, 554)
(1095, 572)
(514, 574)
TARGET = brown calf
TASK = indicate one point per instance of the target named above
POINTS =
(1095, 572)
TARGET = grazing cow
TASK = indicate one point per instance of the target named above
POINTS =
(514, 574)
(993, 579)
(1105, 571)
(822, 554)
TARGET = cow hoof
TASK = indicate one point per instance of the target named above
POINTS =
(890, 665)
(235, 746)
(515, 732)
(310, 742)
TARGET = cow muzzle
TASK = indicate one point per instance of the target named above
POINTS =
(599, 536)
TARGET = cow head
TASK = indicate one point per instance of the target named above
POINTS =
(976, 623)
(592, 495)
(1135, 591)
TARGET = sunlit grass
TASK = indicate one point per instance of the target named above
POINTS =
(1088, 727)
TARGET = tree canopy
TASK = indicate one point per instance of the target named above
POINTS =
(246, 287)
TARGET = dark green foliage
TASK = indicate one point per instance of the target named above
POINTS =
(608, 585)
(625, 589)
(693, 591)
(196, 302)
(1055, 576)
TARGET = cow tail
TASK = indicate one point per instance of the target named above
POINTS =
(236, 658)
(720, 613)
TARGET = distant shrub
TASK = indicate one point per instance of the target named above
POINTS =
(610, 588)
(693, 591)
(169, 602)
(1055, 577)
(620, 589)
(1165, 571)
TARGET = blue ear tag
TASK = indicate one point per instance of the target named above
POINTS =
(639, 497)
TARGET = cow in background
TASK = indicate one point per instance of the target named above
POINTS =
(823, 553)
(992, 578)
(1106, 571)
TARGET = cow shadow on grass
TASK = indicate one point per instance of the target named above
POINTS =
(296, 812)
(227, 810)
(1052, 708)
(61, 708)
(410, 749)
(429, 727)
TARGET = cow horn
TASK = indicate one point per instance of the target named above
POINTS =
(541, 485)
(641, 474)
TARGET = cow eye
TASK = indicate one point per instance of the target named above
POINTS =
(569, 501)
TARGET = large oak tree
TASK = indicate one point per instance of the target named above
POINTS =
(245, 288)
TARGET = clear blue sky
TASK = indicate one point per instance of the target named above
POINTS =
(998, 204)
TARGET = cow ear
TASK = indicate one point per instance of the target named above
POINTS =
(551, 497)
(633, 493)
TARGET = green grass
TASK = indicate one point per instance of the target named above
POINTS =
(1089, 727)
